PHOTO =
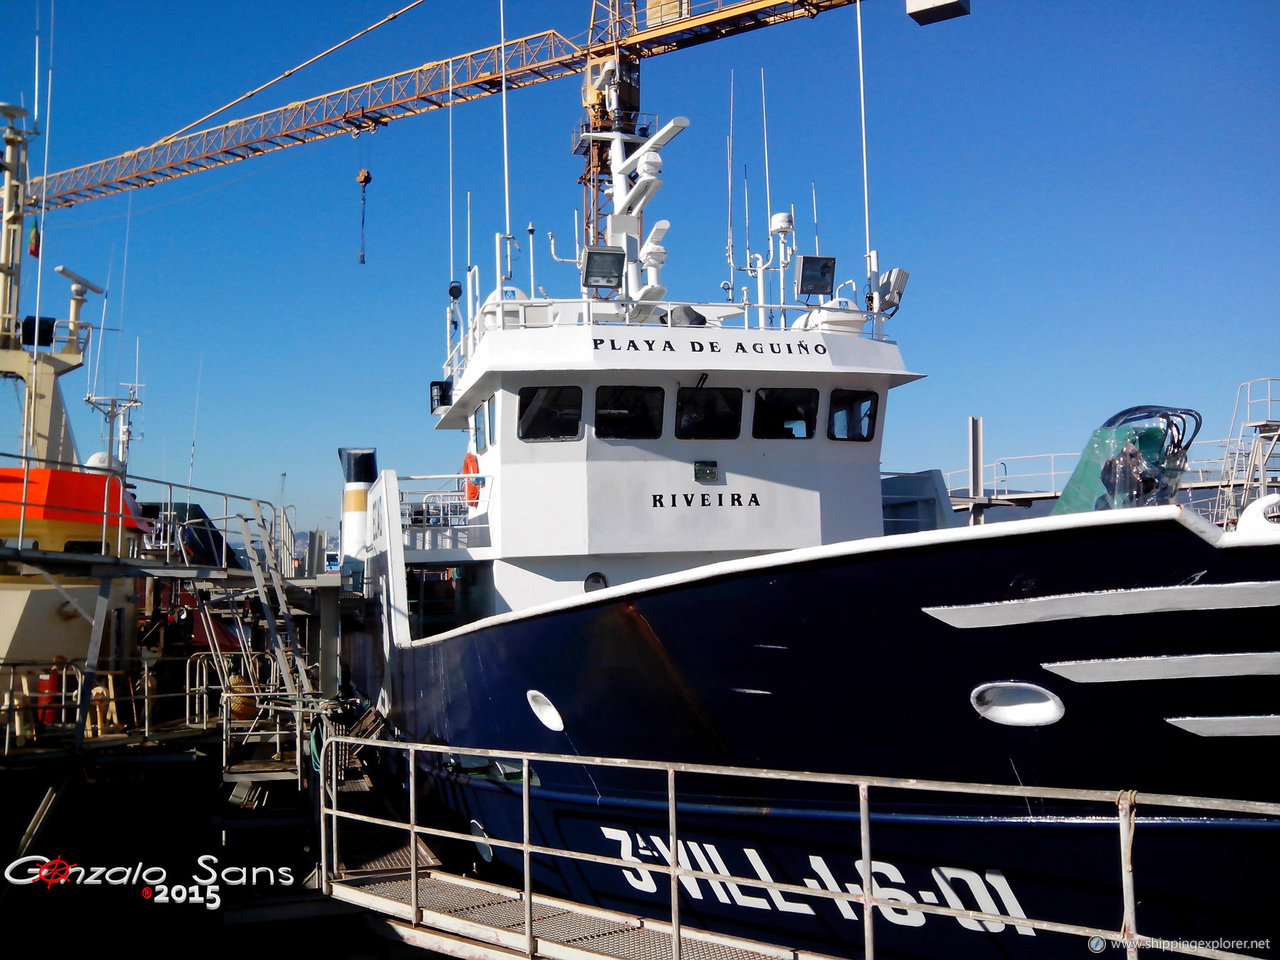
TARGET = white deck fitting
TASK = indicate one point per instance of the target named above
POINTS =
(490, 919)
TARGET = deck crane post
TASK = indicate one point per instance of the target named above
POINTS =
(611, 98)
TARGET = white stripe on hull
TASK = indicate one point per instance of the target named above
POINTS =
(1168, 668)
(1261, 726)
(1112, 603)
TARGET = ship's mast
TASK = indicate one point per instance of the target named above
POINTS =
(611, 97)
(15, 170)
(55, 349)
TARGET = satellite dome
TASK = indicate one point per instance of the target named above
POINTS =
(105, 462)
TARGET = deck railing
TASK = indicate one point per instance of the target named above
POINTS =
(161, 532)
(438, 513)
(209, 674)
(1124, 820)
(518, 314)
(1044, 476)
(139, 699)
(44, 706)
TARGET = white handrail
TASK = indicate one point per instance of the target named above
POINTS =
(1125, 802)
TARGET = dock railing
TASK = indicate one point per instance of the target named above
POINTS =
(1044, 476)
(162, 523)
(43, 703)
(1125, 803)
(243, 694)
(212, 677)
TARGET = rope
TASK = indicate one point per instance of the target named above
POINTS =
(316, 742)
(362, 187)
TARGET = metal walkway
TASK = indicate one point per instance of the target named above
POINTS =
(484, 914)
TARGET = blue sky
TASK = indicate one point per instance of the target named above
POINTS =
(1085, 195)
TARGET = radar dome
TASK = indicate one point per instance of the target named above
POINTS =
(105, 462)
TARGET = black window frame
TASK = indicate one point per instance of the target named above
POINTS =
(758, 431)
(479, 429)
(683, 394)
(654, 417)
(860, 397)
(527, 395)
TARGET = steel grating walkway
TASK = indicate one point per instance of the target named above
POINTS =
(486, 914)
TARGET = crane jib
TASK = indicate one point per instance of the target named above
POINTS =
(532, 59)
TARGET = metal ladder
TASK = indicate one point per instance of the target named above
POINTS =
(1251, 466)
(275, 604)
(290, 667)
(220, 659)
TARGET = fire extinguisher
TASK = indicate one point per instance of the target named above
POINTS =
(49, 692)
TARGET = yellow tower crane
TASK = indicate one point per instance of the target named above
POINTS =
(622, 32)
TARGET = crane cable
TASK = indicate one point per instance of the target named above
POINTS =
(288, 73)
(364, 178)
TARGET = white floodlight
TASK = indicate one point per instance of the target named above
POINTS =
(925, 12)
(815, 276)
(891, 286)
(603, 267)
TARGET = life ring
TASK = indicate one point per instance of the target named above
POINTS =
(470, 468)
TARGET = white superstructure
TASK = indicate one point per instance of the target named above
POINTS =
(623, 436)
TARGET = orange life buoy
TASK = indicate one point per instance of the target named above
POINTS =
(471, 467)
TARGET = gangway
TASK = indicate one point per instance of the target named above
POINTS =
(463, 916)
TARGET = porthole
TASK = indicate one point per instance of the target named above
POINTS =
(545, 711)
(594, 581)
(1016, 704)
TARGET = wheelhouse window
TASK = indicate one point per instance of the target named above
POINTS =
(853, 415)
(628, 413)
(785, 413)
(492, 406)
(478, 428)
(708, 413)
(550, 413)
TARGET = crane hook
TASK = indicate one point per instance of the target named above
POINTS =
(364, 178)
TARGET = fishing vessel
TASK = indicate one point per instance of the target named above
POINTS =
(667, 542)
(105, 601)
(52, 502)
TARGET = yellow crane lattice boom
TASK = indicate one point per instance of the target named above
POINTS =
(662, 26)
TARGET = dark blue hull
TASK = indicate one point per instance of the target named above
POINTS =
(838, 662)
(1198, 878)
